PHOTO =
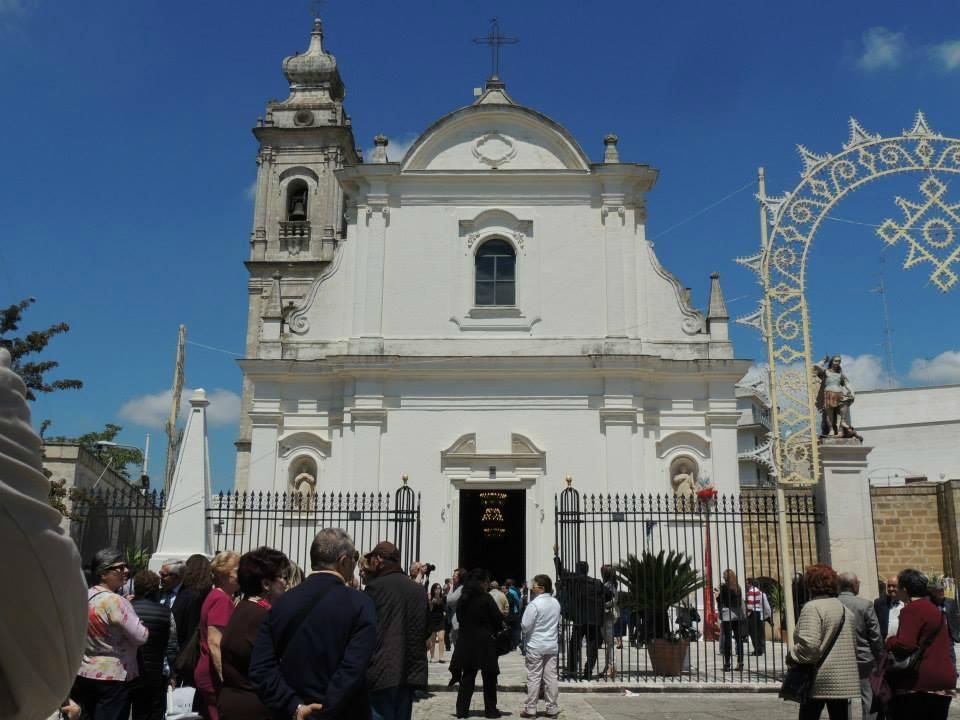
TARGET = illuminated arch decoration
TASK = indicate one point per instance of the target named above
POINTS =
(928, 231)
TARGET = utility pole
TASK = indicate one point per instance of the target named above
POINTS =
(786, 561)
(881, 290)
(173, 436)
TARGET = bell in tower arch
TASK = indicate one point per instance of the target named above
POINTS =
(298, 207)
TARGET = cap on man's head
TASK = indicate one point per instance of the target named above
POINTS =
(386, 550)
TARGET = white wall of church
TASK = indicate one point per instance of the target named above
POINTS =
(365, 442)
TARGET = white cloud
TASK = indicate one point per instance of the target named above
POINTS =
(251, 191)
(152, 410)
(947, 54)
(866, 372)
(882, 49)
(944, 369)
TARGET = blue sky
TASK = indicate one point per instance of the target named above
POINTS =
(128, 159)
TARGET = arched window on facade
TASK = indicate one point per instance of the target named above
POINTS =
(496, 264)
(297, 201)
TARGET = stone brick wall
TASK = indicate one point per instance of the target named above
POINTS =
(916, 526)
(761, 540)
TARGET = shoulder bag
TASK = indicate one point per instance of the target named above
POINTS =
(798, 681)
(913, 660)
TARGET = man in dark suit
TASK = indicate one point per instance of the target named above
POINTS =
(951, 613)
(887, 604)
(313, 649)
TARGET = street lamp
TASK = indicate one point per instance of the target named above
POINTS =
(145, 454)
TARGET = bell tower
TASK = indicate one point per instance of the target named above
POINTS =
(298, 216)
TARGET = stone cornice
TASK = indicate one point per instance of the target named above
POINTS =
(633, 366)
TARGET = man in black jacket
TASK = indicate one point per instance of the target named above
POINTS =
(313, 649)
(887, 605)
(399, 664)
(582, 600)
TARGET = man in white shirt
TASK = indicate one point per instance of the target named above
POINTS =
(539, 627)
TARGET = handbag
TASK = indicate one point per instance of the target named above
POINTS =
(502, 640)
(912, 661)
(798, 680)
(186, 661)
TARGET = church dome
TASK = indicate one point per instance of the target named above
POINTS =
(314, 69)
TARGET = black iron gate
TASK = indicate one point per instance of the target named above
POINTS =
(289, 521)
(639, 577)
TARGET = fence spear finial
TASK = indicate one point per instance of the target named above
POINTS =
(569, 479)
(404, 478)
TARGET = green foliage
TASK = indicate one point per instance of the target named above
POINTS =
(775, 596)
(118, 457)
(137, 560)
(656, 582)
(22, 347)
(653, 584)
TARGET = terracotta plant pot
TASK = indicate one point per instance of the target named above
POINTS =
(667, 656)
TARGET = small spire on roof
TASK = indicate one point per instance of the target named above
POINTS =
(610, 153)
(718, 308)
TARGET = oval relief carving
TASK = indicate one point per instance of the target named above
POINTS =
(494, 149)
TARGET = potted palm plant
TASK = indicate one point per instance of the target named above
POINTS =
(653, 584)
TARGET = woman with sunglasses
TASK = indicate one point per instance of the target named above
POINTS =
(102, 687)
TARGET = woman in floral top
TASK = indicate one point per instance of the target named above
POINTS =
(113, 634)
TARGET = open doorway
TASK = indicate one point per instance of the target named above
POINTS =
(493, 532)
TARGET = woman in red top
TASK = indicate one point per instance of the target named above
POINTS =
(925, 692)
(214, 616)
(263, 578)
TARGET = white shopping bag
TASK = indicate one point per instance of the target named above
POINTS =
(180, 703)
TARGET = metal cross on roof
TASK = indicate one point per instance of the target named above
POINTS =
(495, 39)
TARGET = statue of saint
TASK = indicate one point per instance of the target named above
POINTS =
(305, 483)
(683, 482)
(834, 399)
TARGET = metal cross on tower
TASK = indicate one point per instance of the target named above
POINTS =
(495, 39)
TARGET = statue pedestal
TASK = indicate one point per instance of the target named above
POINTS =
(845, 540)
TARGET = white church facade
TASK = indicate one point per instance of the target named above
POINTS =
(483, 314)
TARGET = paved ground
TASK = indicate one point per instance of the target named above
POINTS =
(646, 706)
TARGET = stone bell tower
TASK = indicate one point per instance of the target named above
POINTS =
(298, 217)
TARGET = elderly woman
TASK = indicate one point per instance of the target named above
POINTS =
(826, 633)
(114, 632)
(262, 576)
(214, 617)
(924, 692)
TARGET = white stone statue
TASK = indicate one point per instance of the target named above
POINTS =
(684, 482)
(305, 483)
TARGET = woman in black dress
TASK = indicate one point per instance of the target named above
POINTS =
(438, 619)
(480, 621)
(262, 575)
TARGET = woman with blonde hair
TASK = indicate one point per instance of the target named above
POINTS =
(214, 616)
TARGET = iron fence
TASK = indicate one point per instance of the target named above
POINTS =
(289, 521)
(127, 519)
(641, 582)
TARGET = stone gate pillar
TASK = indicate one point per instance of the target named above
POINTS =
(845, 538)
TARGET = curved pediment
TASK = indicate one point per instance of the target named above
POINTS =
(495, 137)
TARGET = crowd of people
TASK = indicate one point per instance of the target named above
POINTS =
(256, 640)
(894, 655)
